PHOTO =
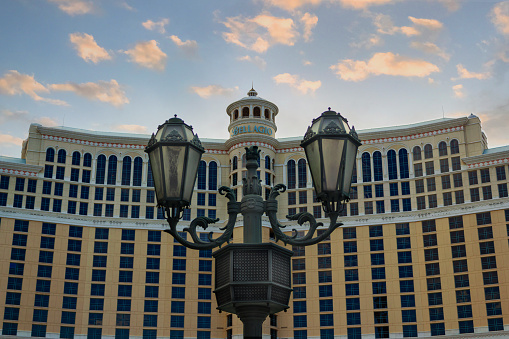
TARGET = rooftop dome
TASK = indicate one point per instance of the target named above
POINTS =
(252, 92)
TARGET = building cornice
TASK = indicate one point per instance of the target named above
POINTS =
(14, 168)
(252, 101)
(484, 160)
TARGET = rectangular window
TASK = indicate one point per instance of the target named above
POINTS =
(460, 199)
(485, 175)
(472, 178)
(447, 196)
(458, 180)
(502, 190)
(486, 193)
(418, 170)
(444, 165)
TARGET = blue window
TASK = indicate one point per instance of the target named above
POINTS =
(213, 175)
(203, 322)
(11, 313)
(302, 173)
(38, 330)
(326, 305)
(326, 320)
(493, 309)
(4, 182)
(18, 254)
(368, 192)
(153, 263)
(350, 289)
(10, 329)
(379, 288)
(377, 245)
(205, 266)
(101, 169)
(19, 239)
(178, 278)
(202, 175)
(97, 289)
(86, 176)
(94, 333)
(377, 166)
(74, 245)
(403, 243)
(377, 259)
(124, 305)
(48, 171)
(403, 163)
(406, 286)
(98, 210)
(149, 212)
(21, 225)
(3, 200)
(71, 207)
(112, 170)
(405, 188)
(326, 290)
(137, 171)
(46, 187)
(392, 165)
(354, 333)
(436, 314)
(68, 317)
(57, 205)
(32, 186)
(20, 184)
(66, 332)
(62, 154)
(299, 307)
(125, 276)
(351, 275)
(179, 292)
(406, 272)
(204, 307)
(69, 303)
(379, 191)
(408, 316)
(351, 260)
(204, 279)
(177, 306)
(151, 305)
(95, 318)
(464, 311)
(299, 292)
(380, 207)
(75, 174)
(496, 324)
(70, 288)
(177, 321)
(291, 175)
(152, 277)
(300, 321)
(18, 201)
(126, 171)
(125, 290)
(43, 271)
(204, 293)
(395, 205)
(150, 320)
(353, 304)
(438, 329)
(60, 173)
(353, 318)
(404, 257)
(40, 316)
(409, 331)
(466, 326)
(47, 242)
(13, 298)
(126, 248)
(30, 202)
(203, 335)
(179, 264)
(378, 273)
(72, 273)
(96, 304)
(76, 158)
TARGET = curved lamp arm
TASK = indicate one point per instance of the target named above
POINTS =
(203, 222)
(271, 211)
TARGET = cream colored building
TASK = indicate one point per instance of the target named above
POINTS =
(423, 250)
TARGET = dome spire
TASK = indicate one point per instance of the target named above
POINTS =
(252, 92)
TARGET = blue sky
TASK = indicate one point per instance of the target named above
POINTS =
(126, 65)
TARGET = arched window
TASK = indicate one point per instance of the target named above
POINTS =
(302, 173)
(76, 158)
(392, 164)
(244, 160)
(267, 162)
(235, 163)
(291, 174)
(150, 178)
(137, 171)
(126, 171)
(366, 167)
(235, 114)
(62, 154)
(256, 112)
(212, 176)
(87, 160)
(50, 155)
(267, 114)
(377, 166)
(202, 175)
(100, 171)
(112, 170)
(428, 152)
(417, 153)
(442, 149)
(455, 148)
(403, 164)
(245, 112)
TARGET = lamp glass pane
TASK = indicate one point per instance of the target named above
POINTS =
(332, 150)
(349, 159)
(156, 166)
(313, 157)
(174, 157)
(192, 168)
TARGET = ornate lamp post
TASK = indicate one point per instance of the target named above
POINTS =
(253, 278)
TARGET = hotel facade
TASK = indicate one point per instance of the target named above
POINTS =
(423, 251)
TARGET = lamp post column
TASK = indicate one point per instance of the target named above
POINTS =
(252, 203)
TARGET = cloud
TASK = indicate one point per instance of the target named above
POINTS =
(303, 86)
(189, 46)
(500, 17)
(156, 25)
(309, 21)
(430, 48)
(14, 83)
(74, 7)
(427, 23)
(372, 41)
(259, 62)
(364, 4)
(46, 121)
(261, 32)
(87, 48)
(109, 92)
(383, 64)
(148, 54)
(213, 90)
(291, 5)
(307, 63)
(9, 140)
(463, 73)
(131, 128)
(24, 117)
(125, 5)
(458, 91)
(494, 121)
(451, 5)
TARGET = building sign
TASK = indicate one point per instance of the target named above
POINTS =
(251, 129)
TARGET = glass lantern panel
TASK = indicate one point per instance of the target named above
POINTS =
(173, 167)
(349, 159)
(332, 150)
(156, 167)
(314, 161)
(192, 168)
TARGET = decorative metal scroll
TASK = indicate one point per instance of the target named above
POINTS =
(203, 222)
(306, 240)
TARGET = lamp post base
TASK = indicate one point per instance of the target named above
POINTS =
(253, 317)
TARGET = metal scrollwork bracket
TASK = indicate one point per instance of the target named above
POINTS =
(203, 222)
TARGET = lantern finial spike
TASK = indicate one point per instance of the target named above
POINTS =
(175, 115)
(329, 108)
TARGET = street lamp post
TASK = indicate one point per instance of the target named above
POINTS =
(253, 279)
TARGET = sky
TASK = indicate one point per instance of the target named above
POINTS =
(128, 65)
